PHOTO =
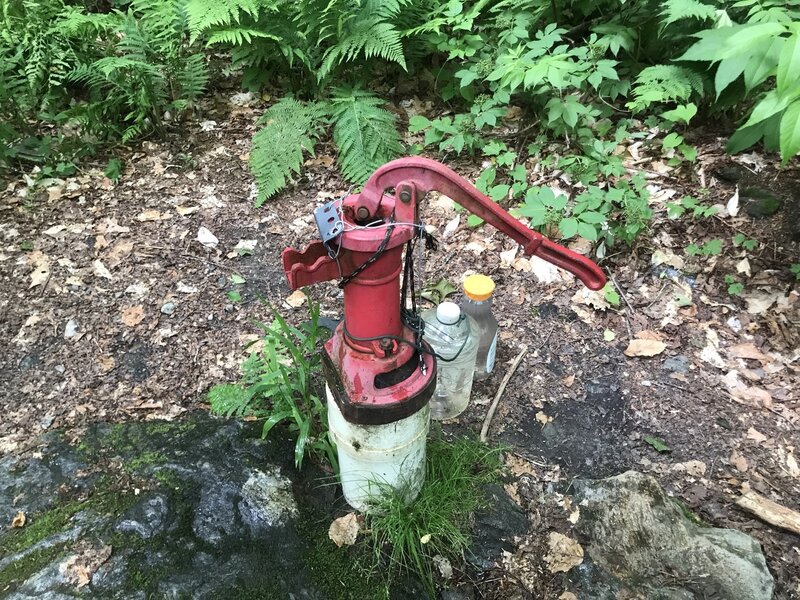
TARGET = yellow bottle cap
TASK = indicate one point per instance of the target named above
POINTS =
(478, 287)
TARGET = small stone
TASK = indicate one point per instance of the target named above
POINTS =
(168, 308)
(676, 364)
(60, 369)
(46, 422)
(229, 308)
(71, 329)
(730, 173)
(759, 203)
(147, 518)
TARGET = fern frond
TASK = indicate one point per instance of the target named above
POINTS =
(675, 10)
(290, 128)
(193, 78)
(239, 36)
(365, 133)
(229, 399)
(664, 83)
(206, 14)
(369, 32)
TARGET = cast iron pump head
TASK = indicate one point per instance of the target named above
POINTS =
(377, 366)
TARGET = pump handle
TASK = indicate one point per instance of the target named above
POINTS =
(428, 175)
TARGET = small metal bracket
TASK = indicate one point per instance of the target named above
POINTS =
(329, 221)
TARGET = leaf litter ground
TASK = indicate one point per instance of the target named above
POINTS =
(128, 301)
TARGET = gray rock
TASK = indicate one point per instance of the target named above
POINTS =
(71, 329)
(146, 519)
(495, 528)
(640, 539)
(759, 202)
(267, 500)
(216, 514)
(731, 173)
(676, 364)
(168, 308)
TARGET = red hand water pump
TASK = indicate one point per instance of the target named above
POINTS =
(377, 367)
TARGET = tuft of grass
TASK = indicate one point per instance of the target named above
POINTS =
(438, 522)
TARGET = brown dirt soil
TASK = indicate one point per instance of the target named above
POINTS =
(576, 407)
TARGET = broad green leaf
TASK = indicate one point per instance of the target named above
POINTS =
(790, 131)
(673, 140)
(417, 123)
(789, 64)
(750, 37)
(657, 443)
(499, 192)
(592, 217)
(743, 138)
(568, 227)
(728, 71)
(474, 221)
(711, 44)
(588, 231)
(763, 63)
(682, 112)
(770, 104)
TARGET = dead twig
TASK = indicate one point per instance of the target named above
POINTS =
(512, 369)
(621, 293)
(769, 511)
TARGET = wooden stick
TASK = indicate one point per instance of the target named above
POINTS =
(488, 420)
(769, 511)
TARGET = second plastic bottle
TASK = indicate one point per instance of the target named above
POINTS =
(453, 336)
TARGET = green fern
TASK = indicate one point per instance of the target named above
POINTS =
(365, 133)
(368, 31)
(664, 83)
(206, 14)
(675, 10)
(230, 399)
(290, 129)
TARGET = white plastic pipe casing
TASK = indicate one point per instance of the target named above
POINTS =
(373, 458)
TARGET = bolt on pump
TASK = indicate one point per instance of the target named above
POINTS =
(380, 373)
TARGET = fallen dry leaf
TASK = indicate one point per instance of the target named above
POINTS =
(205, 237)
(133, 315)
(100, 269)
(543, 418)
(564, 553)
(186, 210)
(738, 461)
(41, 268)
(568, 380)
(152, 215)
(747, 351)
(695, 468)
(755, 435)
(640, 347)
(19, 520)
(732, 205)
(79, 568)
(344, 530)
(296, 299)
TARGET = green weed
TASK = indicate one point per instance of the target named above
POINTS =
(438, 521)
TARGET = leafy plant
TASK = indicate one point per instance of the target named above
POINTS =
(742, 240)
(735, 287)
(710, 248)
(762, 57)
(364, 132)
(278, 385)
(690, 203)
(290, 129)
(794, 269)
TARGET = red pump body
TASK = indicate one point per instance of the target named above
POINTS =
(373, 367)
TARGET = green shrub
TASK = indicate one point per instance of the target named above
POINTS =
(279, 385)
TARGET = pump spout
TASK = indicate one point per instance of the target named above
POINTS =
(428, 175)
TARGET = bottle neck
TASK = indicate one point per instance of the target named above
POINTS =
(479, 307)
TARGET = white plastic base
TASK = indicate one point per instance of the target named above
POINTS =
(375, 458)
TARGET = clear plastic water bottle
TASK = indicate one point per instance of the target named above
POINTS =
(453, 336)
(478, 304)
